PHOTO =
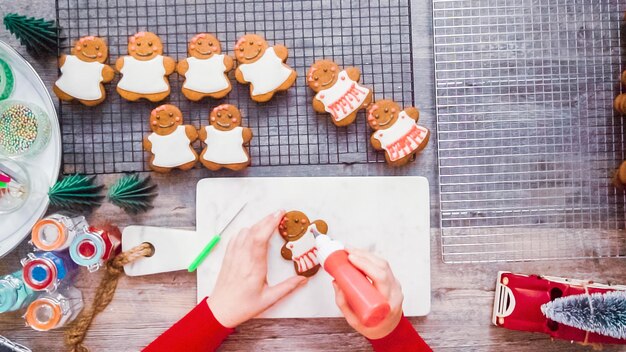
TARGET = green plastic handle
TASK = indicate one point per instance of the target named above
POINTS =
(3, 184)
(203, 254)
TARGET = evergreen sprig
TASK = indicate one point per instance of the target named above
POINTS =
(608, 316)
(75, 192)
(38, 35)
(132, 193)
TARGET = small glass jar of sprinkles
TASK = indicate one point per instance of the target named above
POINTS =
(24, 128)
(15, 185)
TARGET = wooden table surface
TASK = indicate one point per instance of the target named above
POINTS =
(462, 295)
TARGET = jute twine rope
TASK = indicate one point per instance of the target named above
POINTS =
(76, 333)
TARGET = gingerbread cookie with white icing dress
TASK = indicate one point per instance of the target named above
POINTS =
(84, 72)
(396, 131)
(296, 229)
(263, 67)
(225, 139)
(145, 70)
(205, 70)
(338, 92)
(170, 140)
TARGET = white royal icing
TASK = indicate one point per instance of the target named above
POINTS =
(267, 73)
(171, 150)
(225, 147)
(206, 75)
(401, 138)
(81, 79)
(344, 97)
(303, 250)
(144, 77)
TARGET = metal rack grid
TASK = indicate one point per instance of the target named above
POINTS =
(527, 135)
(372, 35)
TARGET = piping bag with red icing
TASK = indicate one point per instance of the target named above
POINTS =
(366, 301)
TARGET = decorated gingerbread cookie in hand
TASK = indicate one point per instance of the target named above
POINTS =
(295, 229)
(206, 68)
(84, 72)
(263, 67)
(338, 92)
(145, 70)
(225, 140)
(396, 131)
(170, 140)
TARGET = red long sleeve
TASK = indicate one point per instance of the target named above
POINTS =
(197, 331)
(402, 338)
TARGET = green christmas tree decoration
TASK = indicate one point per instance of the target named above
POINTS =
(606, 315)
(38, 35)
(132, 193)
(76, 192)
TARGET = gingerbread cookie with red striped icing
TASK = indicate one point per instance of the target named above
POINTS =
(396, 131)
(338, 92)
(296, 229)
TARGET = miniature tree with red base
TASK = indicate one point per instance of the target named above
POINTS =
(600, 313)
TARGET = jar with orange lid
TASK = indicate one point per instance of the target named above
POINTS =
(57, 231)
(54, 310)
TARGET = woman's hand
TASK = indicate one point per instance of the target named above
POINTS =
(379, 272)
(241, 291)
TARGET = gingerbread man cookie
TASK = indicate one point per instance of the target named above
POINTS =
(295, 228)
(225, 140)
(170, 140)
(263, 67)
(338, 91)
(620, 101)
(145, 70)
(206, 68)
(619, 178)
(396, 131)
(84, 72)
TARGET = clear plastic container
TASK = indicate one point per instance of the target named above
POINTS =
(24, 128)
(15, 185)
(54, 310)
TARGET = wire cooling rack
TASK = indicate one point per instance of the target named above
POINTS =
(527, 134)
(372, 35)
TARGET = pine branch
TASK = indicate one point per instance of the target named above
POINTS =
(608, 316)
(133, 194)
(38, 35)
(75, 192)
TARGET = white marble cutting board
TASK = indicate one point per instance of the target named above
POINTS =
(386, 215)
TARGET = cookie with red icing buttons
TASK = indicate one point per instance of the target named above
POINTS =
(225, 140)
(396, 131)
(145, 69)
(84, 71)
(295, 228)
(263, 67)
(206, 69)
(170, 140)
(337, 91)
